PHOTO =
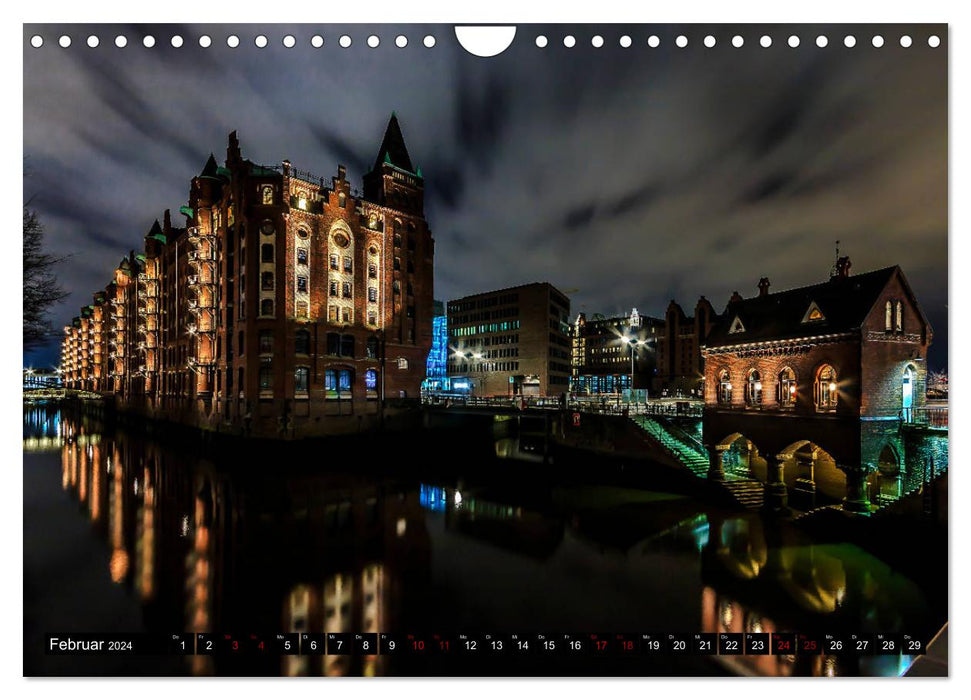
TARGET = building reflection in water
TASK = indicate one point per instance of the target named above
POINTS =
(257, 553)
(751, 567)
(206, 548)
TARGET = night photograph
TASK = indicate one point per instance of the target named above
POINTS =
(614, 350)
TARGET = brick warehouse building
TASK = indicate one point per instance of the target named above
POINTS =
(282, 305)
(510, 342)
(680, 365)
(812, 390)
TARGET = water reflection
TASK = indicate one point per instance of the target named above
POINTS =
(208, 545)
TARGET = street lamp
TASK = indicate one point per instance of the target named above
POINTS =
(632, 343)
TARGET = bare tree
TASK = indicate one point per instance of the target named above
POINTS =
(41, 290)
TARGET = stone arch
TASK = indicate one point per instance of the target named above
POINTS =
(811, 470)
(741, 458)
(885, 483)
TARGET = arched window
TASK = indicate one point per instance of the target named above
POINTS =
(900, 316)
(371, 383)
(786, 391)
(888, 321)
(724, 388)
(301, 343)
(753, 389)
(341, 199)
(826, 390)
(266, 307)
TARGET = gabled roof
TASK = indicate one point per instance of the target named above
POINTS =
(844, 303)
(393, 149)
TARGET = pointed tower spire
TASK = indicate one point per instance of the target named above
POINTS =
(393, 148)
(211, 168)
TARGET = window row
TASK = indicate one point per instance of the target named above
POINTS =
(338, 383)
(825, 388)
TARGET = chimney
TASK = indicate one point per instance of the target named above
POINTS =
(233, 155)
(764, 287)
(341, 172)
(166, 222)
(736, 297)
(843, 267)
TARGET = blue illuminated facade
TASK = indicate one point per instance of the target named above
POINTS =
(435, 371)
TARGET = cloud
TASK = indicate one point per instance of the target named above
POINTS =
(632, 175)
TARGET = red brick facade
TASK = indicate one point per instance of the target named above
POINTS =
(815, 379)
(284, 306)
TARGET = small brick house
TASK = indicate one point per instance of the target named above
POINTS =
(807, 389)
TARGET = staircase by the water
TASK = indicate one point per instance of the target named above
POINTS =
(748, 493)
(680, 449)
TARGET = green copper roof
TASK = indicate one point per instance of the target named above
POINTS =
(141, 256)
(159, 237)
(187, 210)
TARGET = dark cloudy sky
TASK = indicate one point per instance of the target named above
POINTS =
(631, 175)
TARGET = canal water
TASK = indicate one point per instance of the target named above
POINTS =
(126, 533)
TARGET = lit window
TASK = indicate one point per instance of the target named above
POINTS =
(372, 294)
(341, 199)
(330, 383)
(826, 390)
(346, 315)
(900, 316)
(402, 363)
(888, 320)
(301, 380)
(753, 389)
(786, 393)
(371, 380)
(302, 309)
(267, 194)
(724, 388)
(333, 288)
(334, 262)
(344, 378)
(332, 313)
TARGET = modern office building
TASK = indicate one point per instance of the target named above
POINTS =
(608, 352)
(510, 342)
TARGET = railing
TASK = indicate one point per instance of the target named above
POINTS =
(932, 417)
(613, 406)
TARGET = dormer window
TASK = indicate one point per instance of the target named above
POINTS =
(813, 313)
(737, 326)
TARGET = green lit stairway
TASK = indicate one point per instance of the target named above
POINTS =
(748, 493)
(689, 455)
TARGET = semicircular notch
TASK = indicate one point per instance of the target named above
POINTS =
(485, 41)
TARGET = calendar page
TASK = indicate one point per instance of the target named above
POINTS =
(530, 350)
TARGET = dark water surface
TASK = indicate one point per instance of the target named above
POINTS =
(124, 533)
